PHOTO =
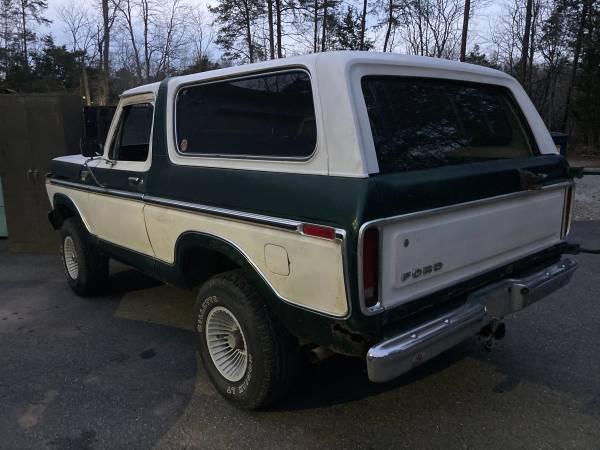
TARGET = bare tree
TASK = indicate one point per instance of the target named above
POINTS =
(168, 37)
(533, 44)
(525, 46)
(78, 22)
(324, 25)
(507, 34)
(432, 27)
(126, 8)
(316, 26)
(465, 30)
(271, 30)
(553, 47)
(391, 22)
(201, 35)
(278, 13)
(583, 17)
(363, 23)
(78, 25)
(108, 19)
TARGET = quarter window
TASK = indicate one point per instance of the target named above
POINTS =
(269, 116)
(132, 136)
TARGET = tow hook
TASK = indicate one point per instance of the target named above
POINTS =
(492, 332)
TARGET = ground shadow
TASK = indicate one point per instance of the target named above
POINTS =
(124, 279)
(342, 379)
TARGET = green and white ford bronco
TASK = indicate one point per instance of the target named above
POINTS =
(375, 205)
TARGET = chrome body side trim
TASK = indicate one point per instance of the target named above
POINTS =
(97, 189)
(287, 224)
(399, 354)
(378, 307)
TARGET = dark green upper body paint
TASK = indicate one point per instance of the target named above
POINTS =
(340, 202)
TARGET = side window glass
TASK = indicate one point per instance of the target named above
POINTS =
(131, 141)
(265, 116)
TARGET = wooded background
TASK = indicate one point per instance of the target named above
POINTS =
(551, 46)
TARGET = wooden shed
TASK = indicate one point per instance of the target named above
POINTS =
(34, 128)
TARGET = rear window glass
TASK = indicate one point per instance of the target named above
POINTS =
(425, 123)
(263, 116)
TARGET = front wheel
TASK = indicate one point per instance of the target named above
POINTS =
(250, 358)
(85, 267)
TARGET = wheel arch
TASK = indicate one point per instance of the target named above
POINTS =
(221, 255)
(64, 207)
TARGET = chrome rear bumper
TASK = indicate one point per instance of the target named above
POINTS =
(399, 354)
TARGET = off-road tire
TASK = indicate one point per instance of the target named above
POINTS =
(273, 355)
(92, 266)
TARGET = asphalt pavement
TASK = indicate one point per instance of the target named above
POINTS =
(120, 371)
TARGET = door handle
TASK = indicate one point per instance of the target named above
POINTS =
(135, 181)
(33, 175)
(530, 180)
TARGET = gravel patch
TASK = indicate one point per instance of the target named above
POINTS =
(587, 198)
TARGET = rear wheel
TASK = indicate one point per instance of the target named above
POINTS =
(85, 267)
(250, 358)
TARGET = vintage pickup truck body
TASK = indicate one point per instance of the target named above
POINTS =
(350, 247)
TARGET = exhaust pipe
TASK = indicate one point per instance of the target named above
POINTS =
(319, 354)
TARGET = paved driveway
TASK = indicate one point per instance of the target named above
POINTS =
(120, 371)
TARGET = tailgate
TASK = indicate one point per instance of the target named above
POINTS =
(426, 251)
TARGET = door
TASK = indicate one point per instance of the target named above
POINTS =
(55, 128)
(19, 191)
(117, 214)
(34, 129)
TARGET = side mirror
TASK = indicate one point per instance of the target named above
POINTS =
(90, 147)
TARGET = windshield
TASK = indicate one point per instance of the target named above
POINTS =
(424, 123)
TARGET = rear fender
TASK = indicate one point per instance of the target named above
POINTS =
(305, 324)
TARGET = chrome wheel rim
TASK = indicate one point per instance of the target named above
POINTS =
(226, 343)
(70, 257)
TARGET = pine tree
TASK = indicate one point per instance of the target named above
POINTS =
(347, 32)
(30, 11)
(236, 20)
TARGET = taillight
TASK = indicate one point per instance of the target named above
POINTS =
(370, 266)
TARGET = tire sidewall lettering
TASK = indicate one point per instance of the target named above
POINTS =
(239, 389)
(207, 304)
